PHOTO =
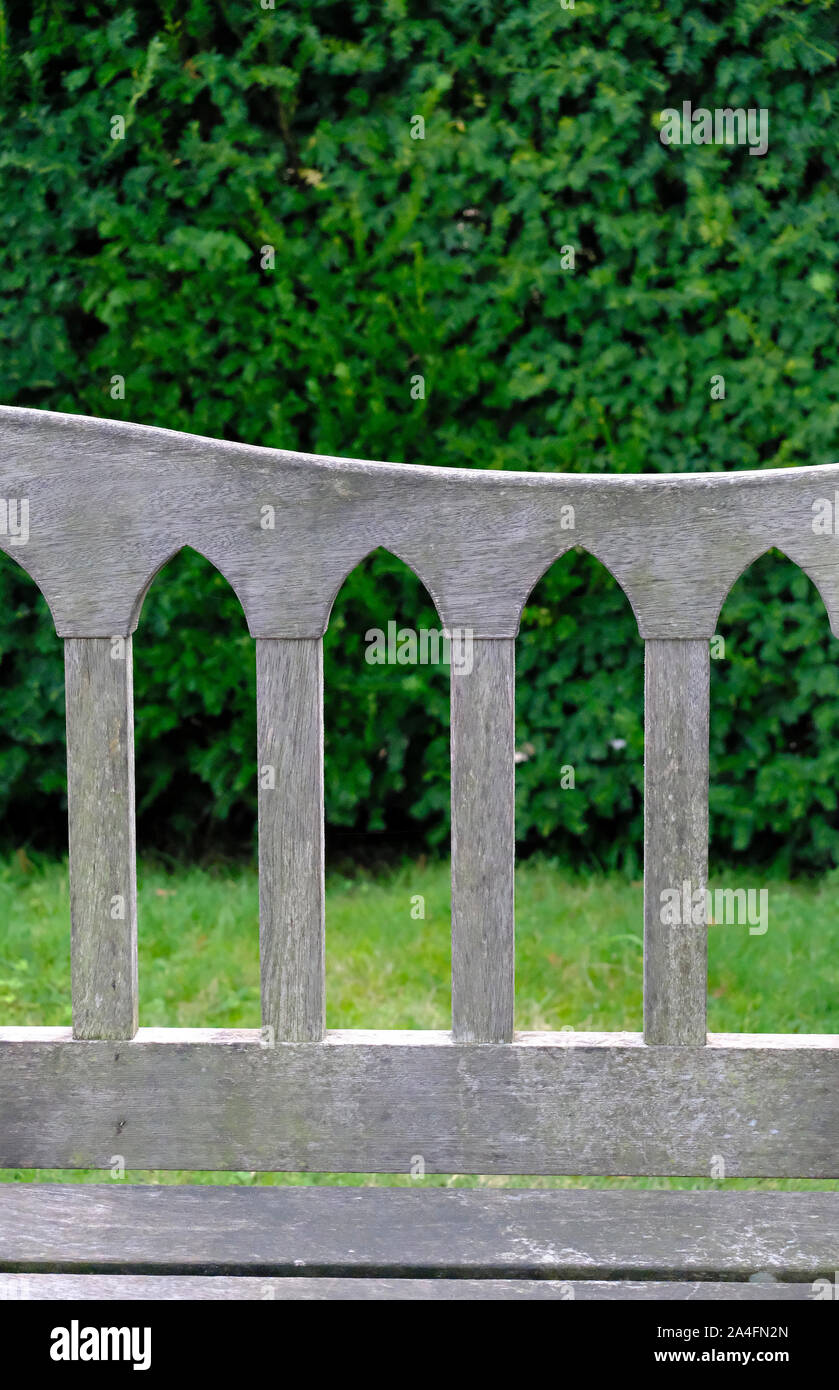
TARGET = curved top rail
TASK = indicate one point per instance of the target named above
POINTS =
(93, 508)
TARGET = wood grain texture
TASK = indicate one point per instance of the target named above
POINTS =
(289, 684)
(483, 843)
(403, 1232)
(220, 1287)
(111, 501)
(547, 1103)
(676, 719)
(100, 795)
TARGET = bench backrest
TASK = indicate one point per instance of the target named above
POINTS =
(92, 509)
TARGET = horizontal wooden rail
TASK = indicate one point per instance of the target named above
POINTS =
(109, 502)
(742, 1106)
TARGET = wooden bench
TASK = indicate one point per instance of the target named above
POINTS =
(91, 510)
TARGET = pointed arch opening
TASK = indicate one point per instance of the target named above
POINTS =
(774, 808)
(34, 887)
(387, 792)
(579, 802)
(195, 736)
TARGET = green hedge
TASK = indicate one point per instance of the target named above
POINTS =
(394, 257)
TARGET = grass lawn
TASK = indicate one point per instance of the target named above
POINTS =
(578, 962)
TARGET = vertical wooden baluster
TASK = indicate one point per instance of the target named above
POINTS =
(100, 794)
(289, 677)
(676, 719)
(483, 840)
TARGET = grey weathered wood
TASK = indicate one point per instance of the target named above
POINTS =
(483, 841)
(548, 1103)
(676, 713)
(412, 1232)
(105, 1287)
(110, 502)
(289, 683)
(100, 793)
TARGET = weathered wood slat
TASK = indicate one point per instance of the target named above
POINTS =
(100, 791)
(289, 682)
(769, 1107)
(676, 714)
(106, 1287)
(403, 1232)
(483, 842)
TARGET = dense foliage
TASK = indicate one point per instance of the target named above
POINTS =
(293, 128)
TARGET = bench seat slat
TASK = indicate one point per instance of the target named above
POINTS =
(105, 1287)
(392, 1232)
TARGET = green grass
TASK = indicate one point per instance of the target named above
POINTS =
(578, 961)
